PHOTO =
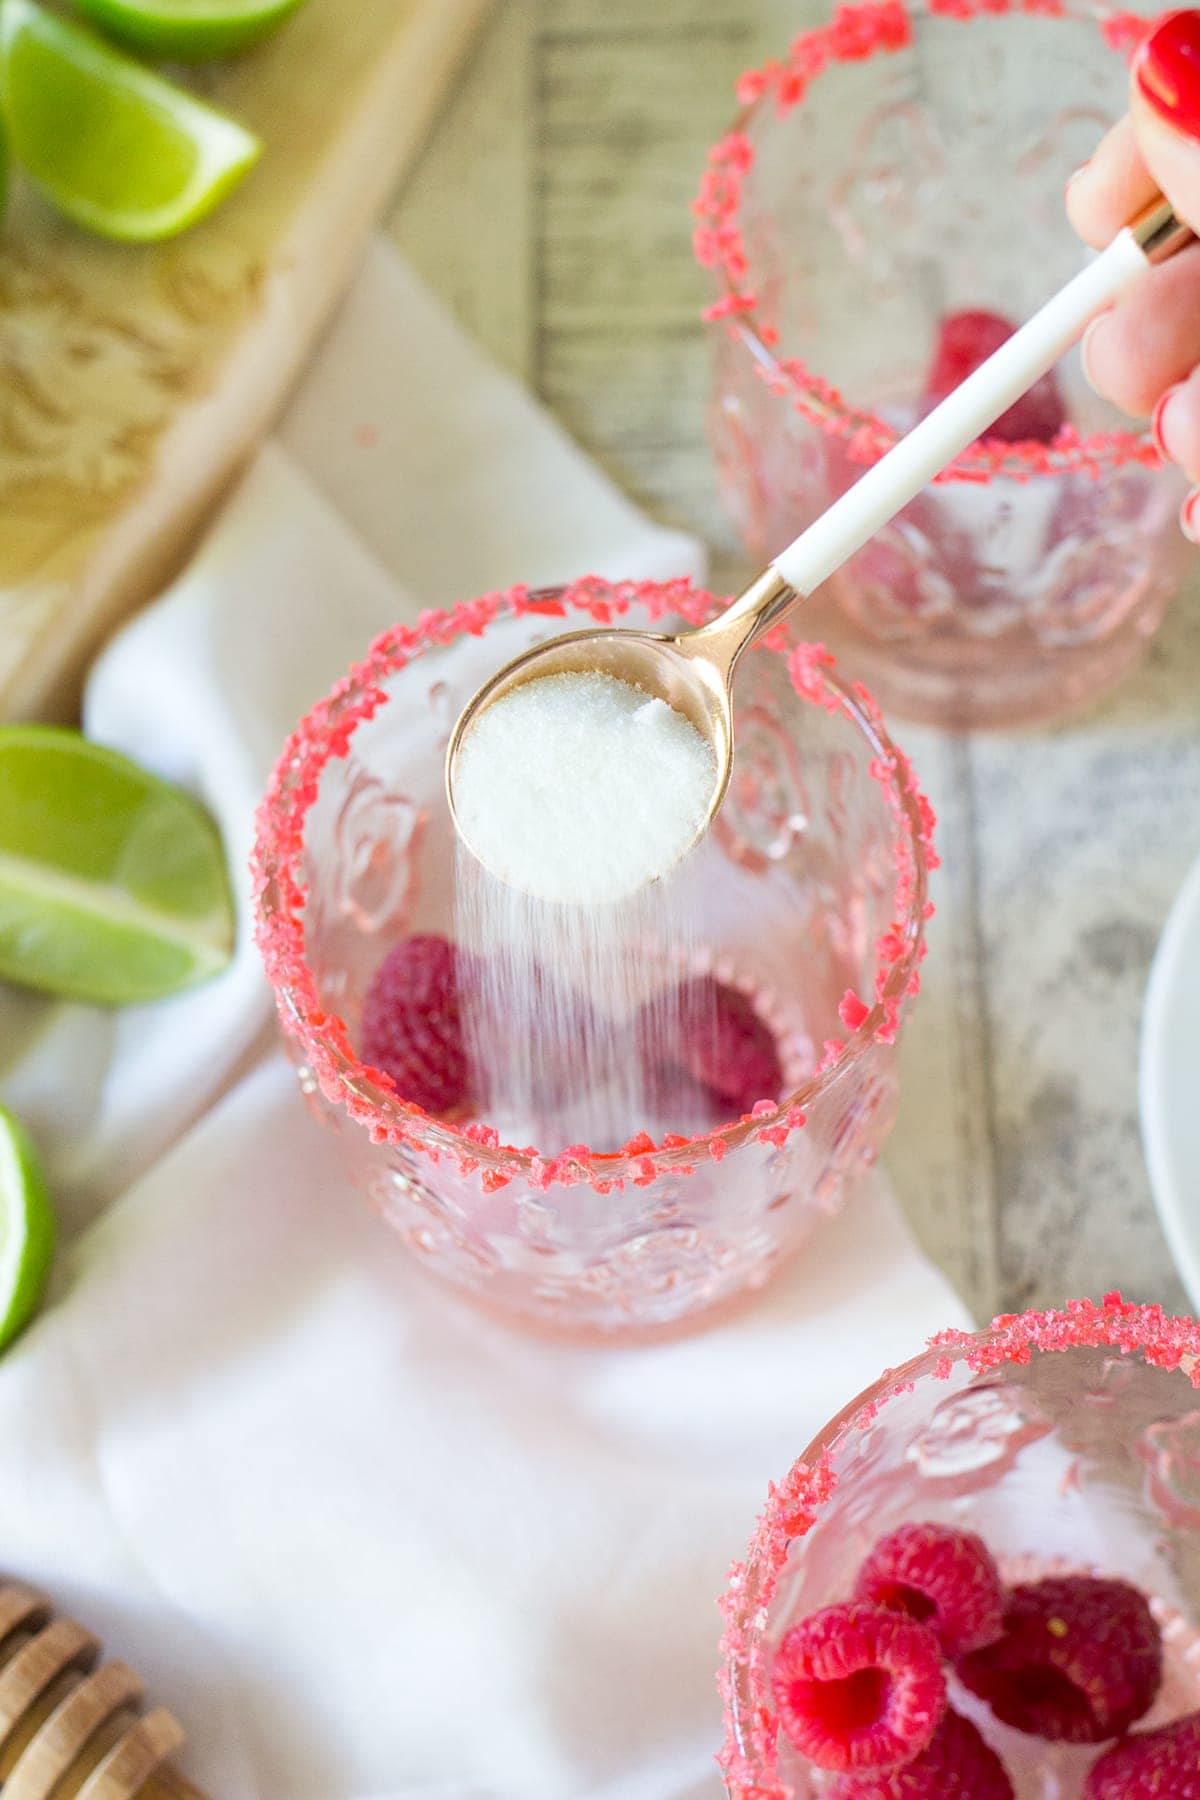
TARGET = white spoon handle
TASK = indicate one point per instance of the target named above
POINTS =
(961, 418)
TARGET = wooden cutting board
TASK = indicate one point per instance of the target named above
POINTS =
(134, 381)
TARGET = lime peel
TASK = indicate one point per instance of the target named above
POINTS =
(27, 1229)
(191, 30)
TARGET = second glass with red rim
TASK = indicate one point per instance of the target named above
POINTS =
(886, 206)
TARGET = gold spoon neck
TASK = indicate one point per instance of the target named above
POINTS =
(755, 610)
(1158, 232)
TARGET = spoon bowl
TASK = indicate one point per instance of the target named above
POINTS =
(692, 671)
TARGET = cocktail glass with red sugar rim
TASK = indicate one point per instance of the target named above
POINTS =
(816, 900)
(894, 174)
(1068, 1441)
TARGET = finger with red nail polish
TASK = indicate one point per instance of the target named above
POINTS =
(1156, 422)
(1166, 70)
(1144, 352)
(1136, 350)
(1156, 147)
(1176, 425)
(1165, 108)
(1110, 188)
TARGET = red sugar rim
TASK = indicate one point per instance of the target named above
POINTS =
(794, 1506)
(856, 33)
(368, 1095)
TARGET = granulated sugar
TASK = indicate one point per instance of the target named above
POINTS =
(577, 796)
(581, 788)
(572, 1014)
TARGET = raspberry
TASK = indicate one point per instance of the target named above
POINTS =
(723, 1044)
(1079, 1660)
(946, 1579)
(858, 1687)
(1151, 1765)
(965, 339)
(958, 1765)
(411, 1028)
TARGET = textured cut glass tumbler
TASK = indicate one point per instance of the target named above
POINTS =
(897, 166)
(1069, 1441)
(814, 905)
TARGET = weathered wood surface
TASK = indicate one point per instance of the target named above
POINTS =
(551, 211)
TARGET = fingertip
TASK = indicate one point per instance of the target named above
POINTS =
(1165, 71)
(1189, 517)
(1175, 427)
(1158, 420)
(1171, 155)
(1110, 188)
(1087, 207)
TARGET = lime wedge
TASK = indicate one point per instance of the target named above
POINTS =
(26, 1229)
(112, 884)
(190, 30)
(112, 145)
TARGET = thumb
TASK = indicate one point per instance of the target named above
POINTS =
(1165, 105)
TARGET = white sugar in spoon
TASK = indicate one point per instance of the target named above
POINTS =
(693, 670)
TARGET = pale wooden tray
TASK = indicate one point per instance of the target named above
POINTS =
(133, 382)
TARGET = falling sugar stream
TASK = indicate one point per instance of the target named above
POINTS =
(576, 794)
(574, 1014)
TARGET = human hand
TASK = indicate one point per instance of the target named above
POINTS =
(1144, 354)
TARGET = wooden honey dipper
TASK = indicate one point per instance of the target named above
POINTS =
(70, 1730)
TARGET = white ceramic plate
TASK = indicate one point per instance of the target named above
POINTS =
(1170, 1082)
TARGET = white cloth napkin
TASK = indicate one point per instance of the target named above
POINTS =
(367, 1543)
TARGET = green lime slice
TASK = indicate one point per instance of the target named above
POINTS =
(26, 1229)
(112, 883)
(111, 144)
(191, 30)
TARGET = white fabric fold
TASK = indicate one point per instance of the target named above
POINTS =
(367, 1543)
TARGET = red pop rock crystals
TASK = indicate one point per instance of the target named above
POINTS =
(858, 1687)
(1079, 1661)
(958, 1765)
(944, 1578)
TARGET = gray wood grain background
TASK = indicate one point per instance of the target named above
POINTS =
(551, 213)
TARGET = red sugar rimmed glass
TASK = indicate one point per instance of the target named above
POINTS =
(823, 850)
(900, 163)
(1069, 1440)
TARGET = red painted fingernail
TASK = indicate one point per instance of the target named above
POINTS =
(1157, 422)
(1189, 516)
(1167, 70)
